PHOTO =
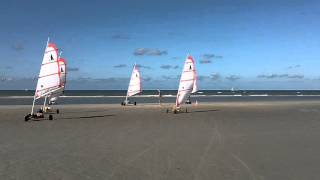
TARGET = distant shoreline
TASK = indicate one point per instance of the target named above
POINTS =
(156, 96)
(148, 99)
(165, 93)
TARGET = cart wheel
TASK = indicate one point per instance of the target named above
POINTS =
(27, 117)
(135, 103)
(58, 111)
(50, 117)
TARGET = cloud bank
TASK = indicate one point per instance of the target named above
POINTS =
(169, 67)
(17, 46)
(143, 67)
(120, 66)
(207, 58)
(149, 52)
(73, 69)
(120, 37)
(279, 76)
(233, 77)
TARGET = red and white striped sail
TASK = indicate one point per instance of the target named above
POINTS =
(195, 83)
(49, 76)
(135, 82)
(63, 72)
(63, 79)
(188, 81)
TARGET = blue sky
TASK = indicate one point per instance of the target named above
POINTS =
(248, 44)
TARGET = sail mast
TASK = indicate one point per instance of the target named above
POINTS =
(34, 100)
(44, 103)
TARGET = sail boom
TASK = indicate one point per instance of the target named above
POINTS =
(48, 63)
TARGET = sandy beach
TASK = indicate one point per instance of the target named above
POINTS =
(224, 140)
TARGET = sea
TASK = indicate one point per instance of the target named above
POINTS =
(25, 97)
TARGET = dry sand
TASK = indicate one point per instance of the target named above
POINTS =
(257, 140)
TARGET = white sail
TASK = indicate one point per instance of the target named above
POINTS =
(195, 83)
(63, 79)
(188, 82)
(135, 82)
(63, 72)
(49, 76)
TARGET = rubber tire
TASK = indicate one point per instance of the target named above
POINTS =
(27, 117)
(50, 117)
(58, 111)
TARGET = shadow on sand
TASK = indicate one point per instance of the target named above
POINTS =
(203, 111)
(193, 111)
(80, 117)
(39, 119)
(72, 112)
(89, 117)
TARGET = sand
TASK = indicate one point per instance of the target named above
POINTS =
(233, 140)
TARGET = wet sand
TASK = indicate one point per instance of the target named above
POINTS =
(233, 140)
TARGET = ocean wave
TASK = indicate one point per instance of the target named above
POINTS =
(257, 95)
